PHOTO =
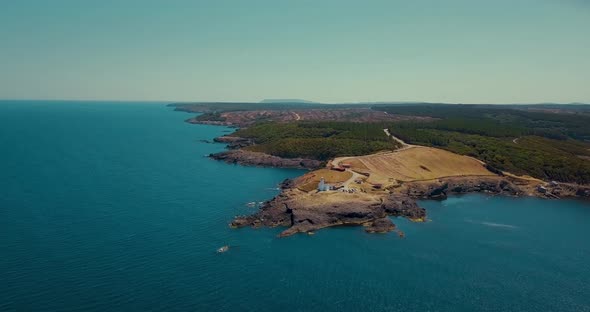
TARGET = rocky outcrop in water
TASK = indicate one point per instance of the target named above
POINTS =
(583, 192)
(249, 158)
(303, 212)
(238, 155)
(233, 142)
(299, 218)
(400, 206)
(381, 225)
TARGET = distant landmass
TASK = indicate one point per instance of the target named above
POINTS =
(287, 101)
(546, 141)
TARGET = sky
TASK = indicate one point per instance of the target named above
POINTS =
(455, 51)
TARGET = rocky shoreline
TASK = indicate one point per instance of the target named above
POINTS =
(248, 158)
(284, 210)
(442, 188)
(287, 209)
(233, 142)
(237, 155)
(302, 212)
(210, 122)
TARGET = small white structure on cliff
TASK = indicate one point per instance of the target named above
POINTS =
(323, 186)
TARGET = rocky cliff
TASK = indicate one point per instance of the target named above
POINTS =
(300, 215)
(248, 158)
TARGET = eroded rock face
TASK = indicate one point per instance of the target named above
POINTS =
(440, 189)
(233, 142)
(583, 192)
(285, 210)
(249, 158)
(287, 184)
(381, 225)
(302, 212)
(400, 206)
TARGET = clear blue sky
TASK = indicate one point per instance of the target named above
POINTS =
(469, 51)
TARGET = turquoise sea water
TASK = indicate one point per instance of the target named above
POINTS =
(112, 207)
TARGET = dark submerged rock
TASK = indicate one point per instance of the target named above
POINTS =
(381, 225)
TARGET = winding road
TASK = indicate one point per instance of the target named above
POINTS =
(403, 145)
(337, 161)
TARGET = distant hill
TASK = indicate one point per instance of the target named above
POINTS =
(288, 101)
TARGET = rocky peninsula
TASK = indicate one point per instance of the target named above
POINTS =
(305, 212)
(367, 190)
(392, 175)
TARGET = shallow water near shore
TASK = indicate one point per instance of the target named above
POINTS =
(113, 206)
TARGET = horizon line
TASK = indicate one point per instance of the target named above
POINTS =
(279, 101)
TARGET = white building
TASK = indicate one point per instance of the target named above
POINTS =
(323, 186)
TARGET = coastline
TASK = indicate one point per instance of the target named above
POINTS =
(257, 159)
(305, 212)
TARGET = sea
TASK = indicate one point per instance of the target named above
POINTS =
(114, 206)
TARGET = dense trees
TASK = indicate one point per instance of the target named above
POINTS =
(502, 121)
(317, 140)
(521, 140)
(548, 159)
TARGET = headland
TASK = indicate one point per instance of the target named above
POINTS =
(382, 178)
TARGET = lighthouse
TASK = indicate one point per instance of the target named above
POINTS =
(323, 186)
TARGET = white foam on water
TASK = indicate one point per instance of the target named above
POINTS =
(492, 224)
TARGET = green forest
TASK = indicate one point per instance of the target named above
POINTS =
(547, 159)
(545, 145)
(501, 120)
(317, 140)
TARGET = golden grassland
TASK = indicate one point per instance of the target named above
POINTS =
(309, 181)
(416, 164)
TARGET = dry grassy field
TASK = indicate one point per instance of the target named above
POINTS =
(417, 163)
(309, 181)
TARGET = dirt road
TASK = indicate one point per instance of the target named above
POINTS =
(403, 145)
